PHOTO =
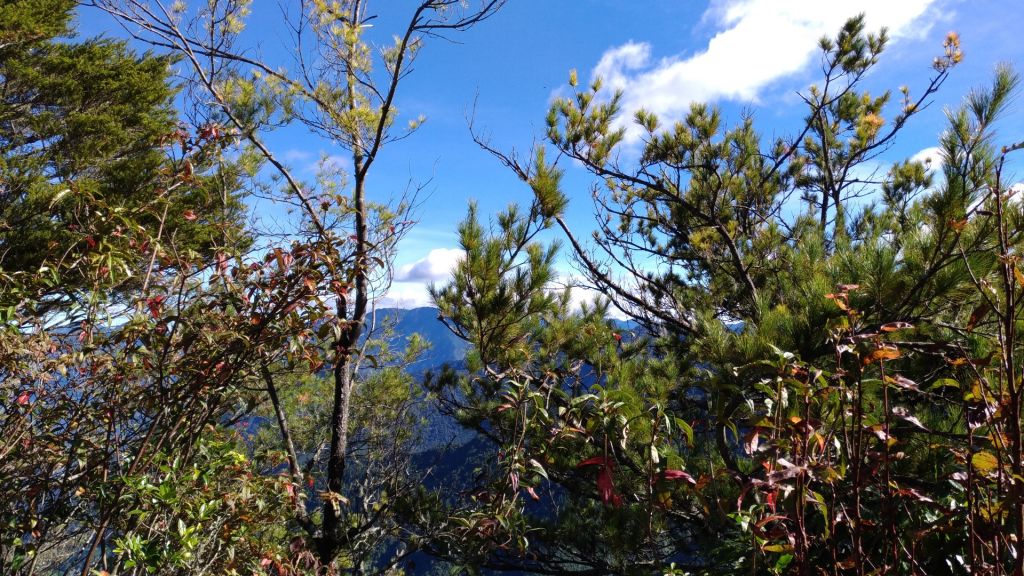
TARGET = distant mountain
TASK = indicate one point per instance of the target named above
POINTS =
(445, 347)
(447, 454)
(439, 433)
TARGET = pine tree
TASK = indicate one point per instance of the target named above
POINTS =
(86, 135)
(813, 383)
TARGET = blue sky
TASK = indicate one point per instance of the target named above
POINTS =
(741, 55)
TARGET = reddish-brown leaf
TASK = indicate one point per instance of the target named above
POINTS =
(894, 326)
(605, 482)
(978, 314)
(678, 475)
(595, 461)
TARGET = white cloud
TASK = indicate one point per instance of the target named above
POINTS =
(580, 295)
(436, 266)
(296, 155)
(758, 43)
(309, 163)
(409, 289)
(931, 158)
(615, 64)
(406, 295)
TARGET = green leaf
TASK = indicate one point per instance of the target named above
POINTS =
(686, 428)
(984, 462)
(539, 468)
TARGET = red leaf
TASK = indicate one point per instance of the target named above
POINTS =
(678, 475)
(155, 305)
(911, 493)
(978, 314)
(189, 215)
(595, 461)
(529, 490)
(209, 132)
(770, 518)
(23, 398)
(606, 487)
(605, 482)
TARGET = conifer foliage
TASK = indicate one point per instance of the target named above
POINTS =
(826, 381)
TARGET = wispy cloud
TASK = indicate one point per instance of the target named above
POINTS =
(310, 163)
(332, 163)
(758, 42)
(296, 155)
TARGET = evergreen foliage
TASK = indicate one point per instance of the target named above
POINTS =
(829, 392)
(84, 123)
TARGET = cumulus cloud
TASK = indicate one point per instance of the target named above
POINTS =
(758, 42)
(931, 158)
(406, 295)
(436, 266)
(409, 290)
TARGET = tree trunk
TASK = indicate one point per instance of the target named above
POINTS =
(330, 540)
